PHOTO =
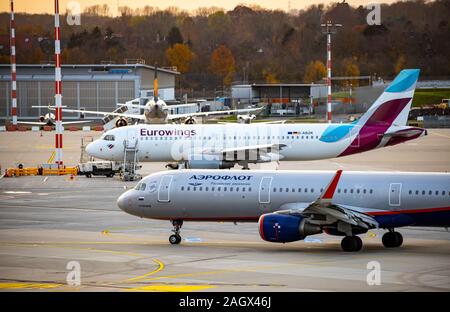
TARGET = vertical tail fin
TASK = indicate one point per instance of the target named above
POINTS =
(155, 84)
(393, 105)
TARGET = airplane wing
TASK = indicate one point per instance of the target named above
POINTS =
(75, 122)
(181, 105)
(32, 123)
(323, 212)
(204, 114)
(134, 116)
(261, 153)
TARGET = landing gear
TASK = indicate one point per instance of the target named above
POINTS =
(175, 238)
(392, 239)
(351, 243)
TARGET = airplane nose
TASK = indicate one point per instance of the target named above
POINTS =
(123, 202)
(90, 149)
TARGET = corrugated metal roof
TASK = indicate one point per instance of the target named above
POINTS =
(94, 66)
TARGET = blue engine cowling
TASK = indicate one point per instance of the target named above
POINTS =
(282, 228)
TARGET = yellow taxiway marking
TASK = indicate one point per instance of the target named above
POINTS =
(160, 268)
(17, 285)
(172, 288)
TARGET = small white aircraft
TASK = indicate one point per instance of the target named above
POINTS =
(49, 119)
(157, 111)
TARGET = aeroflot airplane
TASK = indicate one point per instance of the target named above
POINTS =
(291, 205)
(222, 146)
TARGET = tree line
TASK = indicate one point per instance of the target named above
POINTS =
(213, 48)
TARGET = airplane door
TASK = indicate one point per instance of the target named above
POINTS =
(164, 189)
(131, 137)
(264, 190)
(354, 136)
(394, 194)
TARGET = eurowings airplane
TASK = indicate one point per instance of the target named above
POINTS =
(291, 205)
(222, 146)
(156, 111)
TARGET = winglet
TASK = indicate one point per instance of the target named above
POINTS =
(331, 188)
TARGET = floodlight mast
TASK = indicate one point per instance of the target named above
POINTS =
(329, 28)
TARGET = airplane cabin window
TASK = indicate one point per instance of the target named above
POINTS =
(299, 190)
(250, 189)
(182, 188)
(143, 185)
(287, 190)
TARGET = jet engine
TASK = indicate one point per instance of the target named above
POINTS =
(190, 121)
(245, 119)
(41, 118)
(121, 122)
(282, 228)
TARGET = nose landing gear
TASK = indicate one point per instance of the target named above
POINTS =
(175, 238)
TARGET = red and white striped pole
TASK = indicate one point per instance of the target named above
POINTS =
(329, 29)
(58, 92)
(329, 76)
(13, 69)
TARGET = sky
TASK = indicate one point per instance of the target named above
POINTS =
(46, 6)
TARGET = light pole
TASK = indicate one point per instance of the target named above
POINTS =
(329, 28)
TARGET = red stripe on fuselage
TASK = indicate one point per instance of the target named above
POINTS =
(425, 210)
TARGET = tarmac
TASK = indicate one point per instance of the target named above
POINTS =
(51, 225)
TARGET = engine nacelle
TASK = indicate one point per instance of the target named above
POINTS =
(121, 122)
(282, 228)
(209, 164)
(190, 121)
(41, 118)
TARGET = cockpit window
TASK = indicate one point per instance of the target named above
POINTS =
(140, 186)
(109, 137)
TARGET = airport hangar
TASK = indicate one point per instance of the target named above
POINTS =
(88, 86)
(281, 98)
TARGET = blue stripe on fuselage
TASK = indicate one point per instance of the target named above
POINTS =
(435, 219)
(334, 133)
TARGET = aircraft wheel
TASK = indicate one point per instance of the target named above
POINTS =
(351, 243)
(392, 239)
(175, 239)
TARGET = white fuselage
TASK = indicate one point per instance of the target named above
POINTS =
(179, 142)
